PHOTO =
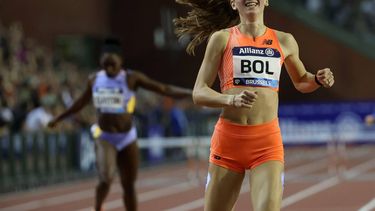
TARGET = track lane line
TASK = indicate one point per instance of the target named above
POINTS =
(328, 183)
(142, 197)
(83, 194)
(369, 206)
(245, 188)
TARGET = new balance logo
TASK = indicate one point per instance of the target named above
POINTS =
(267, 42)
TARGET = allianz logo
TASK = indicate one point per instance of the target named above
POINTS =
(247, 50)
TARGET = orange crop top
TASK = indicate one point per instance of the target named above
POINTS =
(249, 62)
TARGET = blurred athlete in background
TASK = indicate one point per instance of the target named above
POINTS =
(112, 90)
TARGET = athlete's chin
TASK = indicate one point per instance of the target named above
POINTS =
(111, 73)
(253, 10)
(252, 13)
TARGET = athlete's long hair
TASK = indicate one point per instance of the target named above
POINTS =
(204, 18)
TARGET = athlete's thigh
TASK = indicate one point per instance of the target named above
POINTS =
(105, 160)
(266, 182)
(222, 188)
(128, 162)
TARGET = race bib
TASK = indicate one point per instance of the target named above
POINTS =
(256, 66)
(109, 100)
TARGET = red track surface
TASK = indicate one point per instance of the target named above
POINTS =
(311, 185)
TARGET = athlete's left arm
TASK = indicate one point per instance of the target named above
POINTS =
(370, 119)
(303, 80)
(142, 80)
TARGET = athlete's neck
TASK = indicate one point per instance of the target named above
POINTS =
(253, 29)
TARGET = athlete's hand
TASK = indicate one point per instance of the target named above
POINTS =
(370, 120)
(245, 99)
(52, 123)
(325, 77)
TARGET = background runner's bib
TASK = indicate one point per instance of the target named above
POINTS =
(109, 99)
(256, 66)
(112, 94)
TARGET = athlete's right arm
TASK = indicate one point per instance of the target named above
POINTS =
(77, 105)
(203, 94)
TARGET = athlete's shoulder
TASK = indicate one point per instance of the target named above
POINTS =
(287, 42)
(128, 70)
(135, 75)
(218, 40)
(285, 38)
(220, 35)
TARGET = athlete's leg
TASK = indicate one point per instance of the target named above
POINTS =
(223, 187)
(106, 166)
(266, 186)
(127, 163)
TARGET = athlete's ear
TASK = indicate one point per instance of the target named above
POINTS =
(266, 3)
(233, 5)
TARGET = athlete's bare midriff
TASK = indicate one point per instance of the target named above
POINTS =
(115, 123)
(264, 109)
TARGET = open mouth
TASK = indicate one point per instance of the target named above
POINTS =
(251, 3)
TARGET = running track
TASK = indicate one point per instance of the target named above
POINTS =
(312, 184)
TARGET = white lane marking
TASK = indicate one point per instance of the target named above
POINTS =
(245, 188)
(310, 191)
(80, 195)
(86, 182)
(66, 186)
(310, 167)
(369, 206)
(353, 172)
(189, 206)
(300, 195)
(200, 202)
(50, 201)
(114, 204)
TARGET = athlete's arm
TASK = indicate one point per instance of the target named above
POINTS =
(203, 94)
(303, 81)
(370, 119)
(77, 105)
(142, 80)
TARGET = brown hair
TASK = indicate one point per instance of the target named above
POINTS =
(205, 17)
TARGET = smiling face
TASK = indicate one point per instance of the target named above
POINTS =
(111, 63)
(249, 8)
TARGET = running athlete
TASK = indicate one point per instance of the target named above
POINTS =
(247, 56)
(112, 91)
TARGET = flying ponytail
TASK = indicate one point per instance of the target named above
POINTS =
(204, 18)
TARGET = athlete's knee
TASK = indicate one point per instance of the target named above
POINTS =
(272, 206)
(106, 177)
(129, 190)
(102, 185)
(270, 203)
(128, 184)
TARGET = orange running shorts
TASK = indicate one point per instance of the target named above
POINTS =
(240, 147)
